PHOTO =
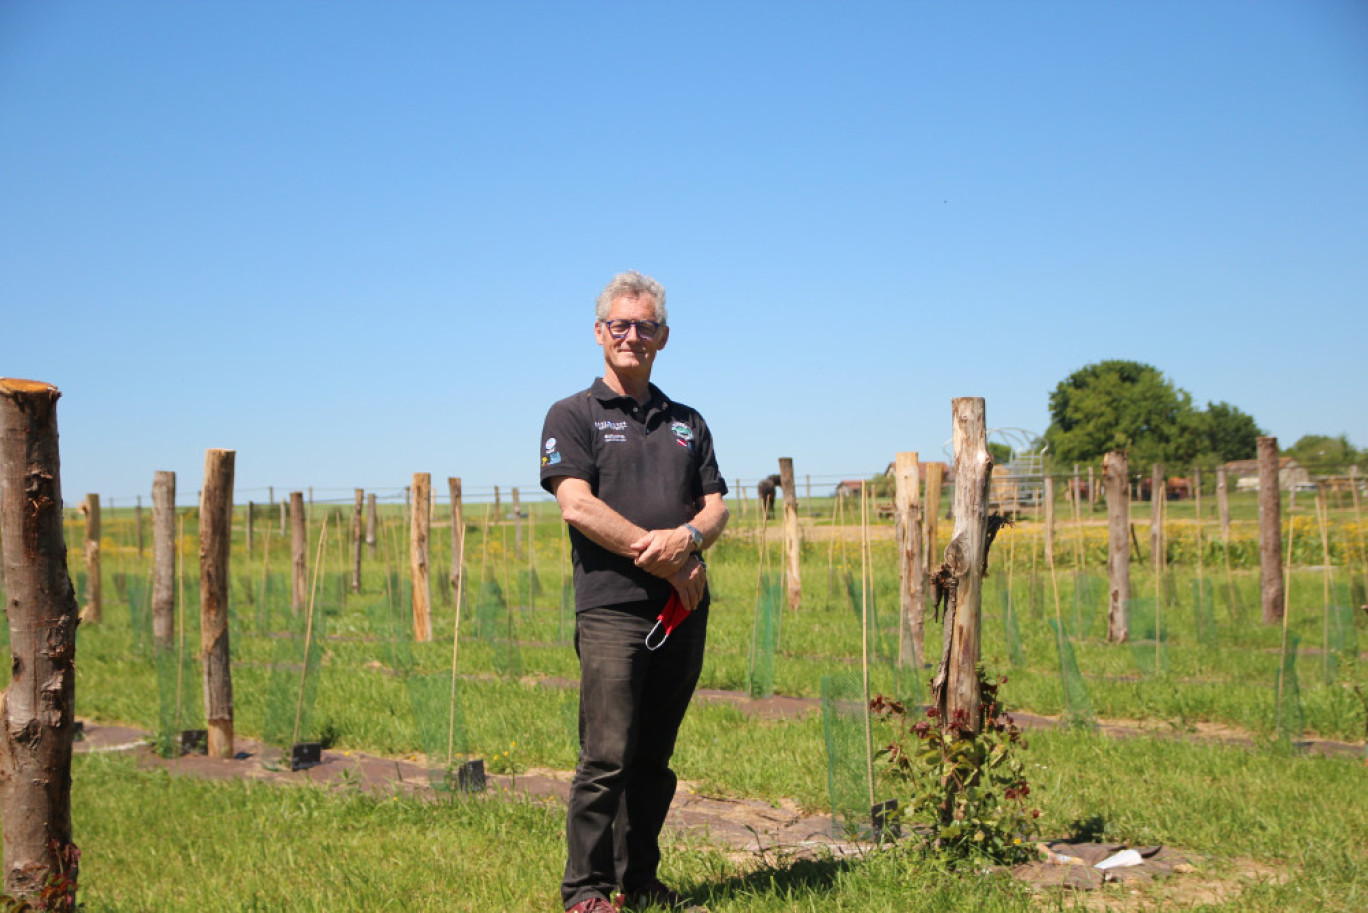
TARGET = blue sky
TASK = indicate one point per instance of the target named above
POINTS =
(355, 240)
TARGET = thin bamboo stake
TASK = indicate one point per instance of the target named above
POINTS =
(308, 627)
(1358, 525)
(1157, 560)
(180, 618)
(1059, 626)
(1287, 612)
(864, 639)
(455, 650)
(1323, 517)
(266, 572)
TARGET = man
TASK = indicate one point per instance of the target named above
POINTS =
(637, 482)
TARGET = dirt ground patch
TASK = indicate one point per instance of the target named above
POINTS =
(754, 833)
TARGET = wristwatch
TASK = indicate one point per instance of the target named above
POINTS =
(695, 535)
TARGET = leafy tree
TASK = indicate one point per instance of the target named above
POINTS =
(1116, 404)
(1227, 434)
(1325, 454)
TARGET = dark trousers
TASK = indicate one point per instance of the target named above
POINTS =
(632, 701)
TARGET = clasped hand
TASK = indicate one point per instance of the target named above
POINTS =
(667, 553)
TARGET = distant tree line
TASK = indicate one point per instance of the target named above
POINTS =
(1128, 405)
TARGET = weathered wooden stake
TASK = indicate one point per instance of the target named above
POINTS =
(517, 524)
(137, 517)
(37, 720)
(1115, 476)
(1223, 502)
(498, 506)
(955, 687)
(372, 522)
(216, 536)
(1049, 519)
(94, 607)
(792, 545)
(420, 516)
(299, 553)
(931, 514)
(1271, 590)
(164, 559)
(1092, 490)
(457, 537)
(284, 515)
(247, 545)
(357, 533)
(907, 532)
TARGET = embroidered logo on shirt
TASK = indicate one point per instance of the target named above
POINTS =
(615, 437)
(611, 426)
(552, 456)
(683, 434)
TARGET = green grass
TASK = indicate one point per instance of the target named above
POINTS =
(257, 847)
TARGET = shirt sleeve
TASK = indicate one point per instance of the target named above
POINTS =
(566, 445)
(710, 480)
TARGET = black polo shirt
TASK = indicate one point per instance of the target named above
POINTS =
(650, 463)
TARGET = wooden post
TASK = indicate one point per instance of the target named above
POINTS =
(216, 535)
(37, 720)
(94, 607)
(457, 536)
(1049, 518)
(138, 521)
(792, 546)
(372, 521)
(358, 533)
(284, 514)
(419, 516)
(956, 685)
(299, 553)
(1092, 490)
(498, 507)
(1270, 532)
(1115, 476)
(1223, 502)
(911, 574)
(247, 545)
(517, 524)
(164, 559)
(931, 514)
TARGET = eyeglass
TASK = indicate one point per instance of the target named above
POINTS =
(646, 329)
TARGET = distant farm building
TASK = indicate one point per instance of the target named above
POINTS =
(1245, 473)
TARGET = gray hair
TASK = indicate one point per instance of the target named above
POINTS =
(631, 284)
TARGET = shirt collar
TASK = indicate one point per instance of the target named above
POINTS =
(606, 394)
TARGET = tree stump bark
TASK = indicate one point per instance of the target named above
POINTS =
(164, 559)
(216, 536)
(418, 557)
(1115, 476)
(37, 720)
(956, 684)
(911, 574)
(1270, 532)
(792, 543)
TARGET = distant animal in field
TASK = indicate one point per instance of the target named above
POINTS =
(765, 489)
